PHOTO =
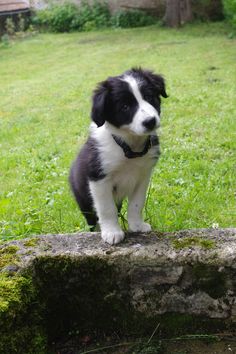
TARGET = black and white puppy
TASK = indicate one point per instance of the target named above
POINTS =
(117, 160)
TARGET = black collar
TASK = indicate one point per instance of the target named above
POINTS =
(152, 140)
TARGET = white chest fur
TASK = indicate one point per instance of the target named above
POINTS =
(129, 175)
(122, 173)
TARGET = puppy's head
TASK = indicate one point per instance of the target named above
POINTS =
(130, 102)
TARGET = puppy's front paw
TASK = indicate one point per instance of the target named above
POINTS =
(113, 236)
(140, 226)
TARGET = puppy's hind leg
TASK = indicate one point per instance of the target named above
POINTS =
(86, 206)
(84, 200)
(91, 218)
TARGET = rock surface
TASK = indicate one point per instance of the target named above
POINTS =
(186, 281)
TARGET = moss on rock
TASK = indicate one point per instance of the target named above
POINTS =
(193, 242)
(78, 293)
(20, 329)
(8, 255)
(210, 280)
(31, 242)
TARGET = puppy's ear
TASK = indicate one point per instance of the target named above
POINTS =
(158, 82)
(100, 95)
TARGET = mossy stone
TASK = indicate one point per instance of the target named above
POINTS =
(59, 286)
(20, 329)
(31, 242)
(210, 280)
(193, 242)
(8, 255)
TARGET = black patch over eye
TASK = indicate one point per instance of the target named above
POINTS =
(148, 97)
(125, 108)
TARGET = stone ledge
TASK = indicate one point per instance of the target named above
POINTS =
(186, 281)
(160, 247)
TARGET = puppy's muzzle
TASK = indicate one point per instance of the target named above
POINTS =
(150, 123)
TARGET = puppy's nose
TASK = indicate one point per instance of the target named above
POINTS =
(150, 123)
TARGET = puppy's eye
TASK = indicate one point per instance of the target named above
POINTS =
(148, 97)
(125, 108)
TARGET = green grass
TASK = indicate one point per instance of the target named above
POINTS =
(46, 85)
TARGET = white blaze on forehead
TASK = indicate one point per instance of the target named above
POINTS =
(147, 109)
(134, 87)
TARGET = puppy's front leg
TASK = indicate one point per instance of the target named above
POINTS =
(136, 203)
(106, 211)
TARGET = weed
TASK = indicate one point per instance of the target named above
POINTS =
(10, 26)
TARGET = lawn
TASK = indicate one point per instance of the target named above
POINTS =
(45, 90)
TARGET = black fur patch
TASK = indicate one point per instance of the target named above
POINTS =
(86, 167)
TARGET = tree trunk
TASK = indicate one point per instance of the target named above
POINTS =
(185, 11)
(178, 12)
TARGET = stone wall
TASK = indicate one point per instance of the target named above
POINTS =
(51, 285)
